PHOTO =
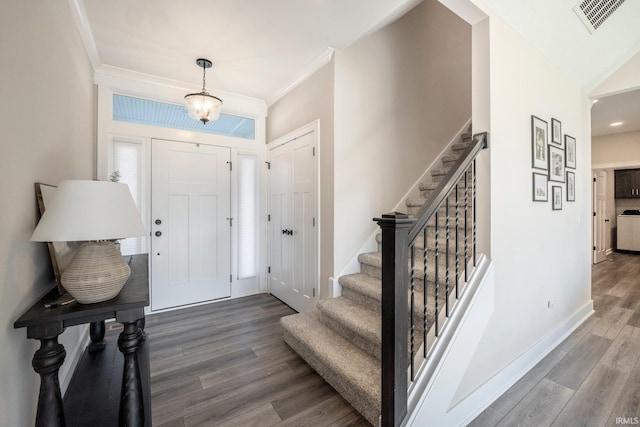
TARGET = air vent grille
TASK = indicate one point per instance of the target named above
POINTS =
(593, 13)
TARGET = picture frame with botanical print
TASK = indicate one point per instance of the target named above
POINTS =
(570, 151)
(556, 198)
(571, 186)
(539, 143)
(556, 164)
(540, 188)
(556, 131)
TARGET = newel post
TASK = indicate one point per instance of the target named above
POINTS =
(395, 317)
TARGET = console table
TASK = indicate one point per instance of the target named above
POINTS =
(46, 324)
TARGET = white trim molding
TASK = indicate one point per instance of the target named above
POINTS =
(80, 16)
(323, 59)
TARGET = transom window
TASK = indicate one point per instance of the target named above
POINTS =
(144, 111)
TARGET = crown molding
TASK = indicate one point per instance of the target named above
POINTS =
(323, 59)
(134, 83)
(82, 22)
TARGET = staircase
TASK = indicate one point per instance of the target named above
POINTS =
(341, 339)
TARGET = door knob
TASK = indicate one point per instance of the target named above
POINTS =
(158, 233)
(158, 222)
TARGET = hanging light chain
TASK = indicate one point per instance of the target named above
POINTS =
(204, 72)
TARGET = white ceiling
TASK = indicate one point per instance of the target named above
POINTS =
(589, 59)
(259, 48)
(553, 27)
(624, 107)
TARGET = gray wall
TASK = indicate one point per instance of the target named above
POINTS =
(46, 135)
(401, 94)
(312, 100)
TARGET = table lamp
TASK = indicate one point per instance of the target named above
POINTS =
(96, 212)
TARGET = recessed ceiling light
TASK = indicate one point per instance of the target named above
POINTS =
(615, 124)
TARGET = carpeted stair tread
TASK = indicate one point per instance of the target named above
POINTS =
(341, 339)
(363, 289)
(354, 322)
(352, 372)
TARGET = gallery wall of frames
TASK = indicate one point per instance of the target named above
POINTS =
(553, 163)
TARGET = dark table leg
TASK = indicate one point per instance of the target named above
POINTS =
(46, 362)
(96, 331)
(131, 400)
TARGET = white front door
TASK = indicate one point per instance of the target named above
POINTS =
(599, 211)
(190, 229)
(293, 222)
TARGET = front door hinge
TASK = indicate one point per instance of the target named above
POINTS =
(594, 248)
(231, 278)
(268, 165)
(230, 165)
(594, 180)
(269, 269)
(230, 222)
(269, 217)
(314, 151)
(314, 292)
(594, 214)
(314, 221)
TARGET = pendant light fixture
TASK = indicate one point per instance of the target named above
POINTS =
(201, 105)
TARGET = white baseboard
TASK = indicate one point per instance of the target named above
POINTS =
(480, 399)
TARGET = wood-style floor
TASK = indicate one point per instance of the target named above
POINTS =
(226, 364)
(593, 377)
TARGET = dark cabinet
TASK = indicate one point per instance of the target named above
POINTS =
(627, 183)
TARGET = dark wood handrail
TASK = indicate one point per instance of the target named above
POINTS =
(444, 188)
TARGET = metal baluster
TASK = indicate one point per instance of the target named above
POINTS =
(437, 311)
(412, 310)
(446, 258)
(466, 225)
(457, 243)
(473, 175)
(424, 290)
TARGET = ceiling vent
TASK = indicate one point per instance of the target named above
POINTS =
(593, 13)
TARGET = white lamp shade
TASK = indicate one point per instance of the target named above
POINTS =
(203, 107)
(89, 210)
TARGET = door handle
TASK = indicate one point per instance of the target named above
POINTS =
(158, 233)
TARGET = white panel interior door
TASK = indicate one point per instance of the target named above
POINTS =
(599, 209)
(293, 228)
(190, 237)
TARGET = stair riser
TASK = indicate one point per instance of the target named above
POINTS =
(442, 243)
(425, 194)
(419, 275)
(368, 408)
(412, 211)
(367, 344)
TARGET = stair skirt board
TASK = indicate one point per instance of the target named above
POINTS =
(341, 339)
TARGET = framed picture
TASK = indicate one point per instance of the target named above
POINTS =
(570, 150)
(556, 132)
(571, 186)
(60, 253)
(540, 187)
(556, 197)
(539, 143)
(556, 164)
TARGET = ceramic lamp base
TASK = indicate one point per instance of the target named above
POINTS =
(96, 273)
